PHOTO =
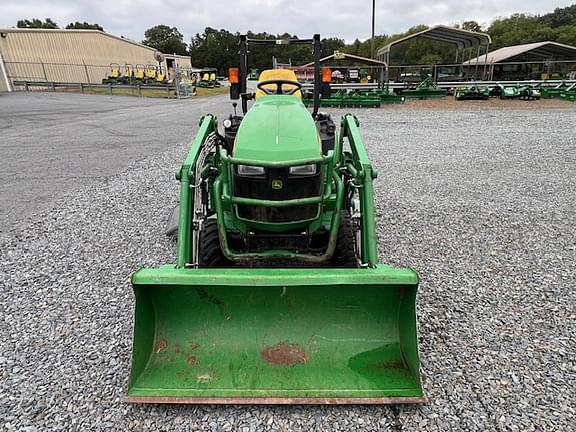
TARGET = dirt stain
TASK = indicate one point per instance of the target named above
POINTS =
(204, 295)
(389, 365)
(284, 354)
(161, 345)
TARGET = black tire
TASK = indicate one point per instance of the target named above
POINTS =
(210, 253)
(344, 254)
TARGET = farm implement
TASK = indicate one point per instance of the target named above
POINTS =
(472, 93)
(426, 89)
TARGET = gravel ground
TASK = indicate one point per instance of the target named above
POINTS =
(70, 141)
(480, 202)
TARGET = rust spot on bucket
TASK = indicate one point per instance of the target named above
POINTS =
(191, 360)
(193, 346)
(176, 349)
(284, 354)
(161, 345)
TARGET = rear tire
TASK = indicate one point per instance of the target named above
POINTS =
(345, 255)
(210, 254)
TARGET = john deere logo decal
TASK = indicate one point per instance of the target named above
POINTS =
(277, 184)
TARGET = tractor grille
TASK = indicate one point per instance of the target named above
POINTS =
(292, 188)
(278, 214)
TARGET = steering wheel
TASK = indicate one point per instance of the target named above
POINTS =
(279, 83)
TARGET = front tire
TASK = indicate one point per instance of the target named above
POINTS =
(210, 253)
(345, 255)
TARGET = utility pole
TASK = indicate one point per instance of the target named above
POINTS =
(373, 23)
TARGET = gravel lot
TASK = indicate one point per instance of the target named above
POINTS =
(56, 143)
(479, 201)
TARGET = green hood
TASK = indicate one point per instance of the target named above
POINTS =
(277, 128)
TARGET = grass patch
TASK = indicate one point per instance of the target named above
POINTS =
(201, 91)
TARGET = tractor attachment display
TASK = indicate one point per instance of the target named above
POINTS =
(553, 92)
(569, 93)
(472, 93)
(354, 98)
(276, 295)
(519, 92)
(426, 89)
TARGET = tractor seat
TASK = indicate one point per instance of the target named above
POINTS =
(277, 74)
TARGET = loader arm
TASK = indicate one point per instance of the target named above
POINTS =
(359, 169)
(208, 124)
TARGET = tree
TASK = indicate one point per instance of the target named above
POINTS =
(430, 59)
(329, 45)
(84, 26)
(165, 39)
(219, 49)
(37, 23)
(472, 26)
(215, 48)
(560, 17)
(518, 29)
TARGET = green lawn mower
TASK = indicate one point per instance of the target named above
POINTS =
(519, 92)
(276, 295)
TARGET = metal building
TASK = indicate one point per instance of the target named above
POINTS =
(539, 60)
(72, 56)
(466, 42)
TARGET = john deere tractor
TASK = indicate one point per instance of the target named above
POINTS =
(276, 295)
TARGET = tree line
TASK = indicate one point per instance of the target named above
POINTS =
(218, 48)
(48, 23)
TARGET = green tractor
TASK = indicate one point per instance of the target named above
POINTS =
(276, 295)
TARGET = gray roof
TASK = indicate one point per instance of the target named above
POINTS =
(540, 50)
(442, 33)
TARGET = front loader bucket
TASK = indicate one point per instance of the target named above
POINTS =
(277, 336)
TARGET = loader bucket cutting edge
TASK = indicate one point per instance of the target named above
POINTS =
(275, 336)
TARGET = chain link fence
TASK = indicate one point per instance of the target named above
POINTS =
(178, 81)
(82, 76)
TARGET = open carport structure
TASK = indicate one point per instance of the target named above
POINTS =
(466, 42)
(522, 60)
(378, 66)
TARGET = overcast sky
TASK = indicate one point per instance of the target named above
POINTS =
(347, 19)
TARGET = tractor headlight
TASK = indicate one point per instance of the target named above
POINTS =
(303, 170)
(250, 171)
